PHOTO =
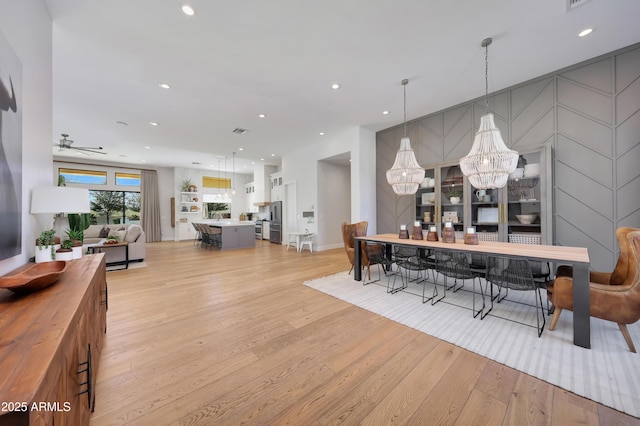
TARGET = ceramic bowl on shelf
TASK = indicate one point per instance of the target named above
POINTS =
(532, 170)
(526, 219)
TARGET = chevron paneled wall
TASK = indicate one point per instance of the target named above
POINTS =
(589, 113)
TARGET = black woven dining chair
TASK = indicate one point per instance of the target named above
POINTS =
(515, 274)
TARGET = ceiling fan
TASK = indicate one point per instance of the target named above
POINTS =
(66, 143)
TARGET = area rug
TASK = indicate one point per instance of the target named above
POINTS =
(607, 373)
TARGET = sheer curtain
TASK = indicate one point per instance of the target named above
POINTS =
(150, 203)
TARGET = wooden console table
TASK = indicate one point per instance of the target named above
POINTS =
(50, 344)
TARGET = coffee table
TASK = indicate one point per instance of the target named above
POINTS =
(97, 248)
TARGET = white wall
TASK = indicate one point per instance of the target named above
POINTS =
(334, 200)
(26, 25)
(302, 166)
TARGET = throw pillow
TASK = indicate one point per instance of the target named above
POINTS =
(104, 232)
(133, 233)
(119, 234)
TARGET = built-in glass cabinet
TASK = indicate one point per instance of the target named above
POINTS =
(441, 198)
(520, 212)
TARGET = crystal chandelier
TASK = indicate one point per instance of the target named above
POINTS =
(406, 174)
(489, 162)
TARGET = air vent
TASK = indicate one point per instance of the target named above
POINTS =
(573, 4)
(239, 131)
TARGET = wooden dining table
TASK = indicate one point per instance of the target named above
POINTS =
(578, 257)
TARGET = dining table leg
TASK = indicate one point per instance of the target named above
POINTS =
(357, 260)
(581, 304)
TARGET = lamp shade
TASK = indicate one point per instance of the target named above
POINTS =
(489, 162)
(406, 174)
(60, 199)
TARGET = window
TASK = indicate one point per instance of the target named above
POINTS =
(127, 179)
(114, 206)
(87, 177)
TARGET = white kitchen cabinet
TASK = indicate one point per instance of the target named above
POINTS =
(277, 190)
(250, 197)
(186, 231)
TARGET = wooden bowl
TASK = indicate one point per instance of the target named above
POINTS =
(37, 277)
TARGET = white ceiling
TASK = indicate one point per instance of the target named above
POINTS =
(236, 59)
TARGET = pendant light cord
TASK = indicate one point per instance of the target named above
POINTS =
(404, 86)
(485, 43)
(486, 76)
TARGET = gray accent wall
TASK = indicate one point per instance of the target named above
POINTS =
(589, 113)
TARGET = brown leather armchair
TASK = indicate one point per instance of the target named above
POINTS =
(359, 229)
(615, 296)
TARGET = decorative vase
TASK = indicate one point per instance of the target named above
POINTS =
(77, 252)
(404, 234)
(43, 254)
(454, 200)
(417, 231)
(448, 233)
(432, 235)
(67, 254)
(471, 238)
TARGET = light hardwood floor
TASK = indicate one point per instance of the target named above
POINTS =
(228, 338)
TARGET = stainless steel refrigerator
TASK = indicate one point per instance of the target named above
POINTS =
(275, 225)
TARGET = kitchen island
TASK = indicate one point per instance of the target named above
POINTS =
(235, 234)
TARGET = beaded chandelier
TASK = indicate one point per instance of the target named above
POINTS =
(489, 162)
(406, 174)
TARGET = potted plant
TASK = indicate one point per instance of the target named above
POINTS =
(454, 195)
(65, 252)
(46, 246)
(76, 237)
(78, 223)
(184, 186)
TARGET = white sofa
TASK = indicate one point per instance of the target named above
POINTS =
(131, 233)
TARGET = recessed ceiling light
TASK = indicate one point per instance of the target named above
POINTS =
(262, 115)
(262, 159)
(147, 147)
(273, 155)
(385, 112)
(164, 86)
(153, 123)
(335, 86)
(188, 10)
(585, 32)
(240, 149)
(321, 133)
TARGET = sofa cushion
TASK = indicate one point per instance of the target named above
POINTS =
(133, 232)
